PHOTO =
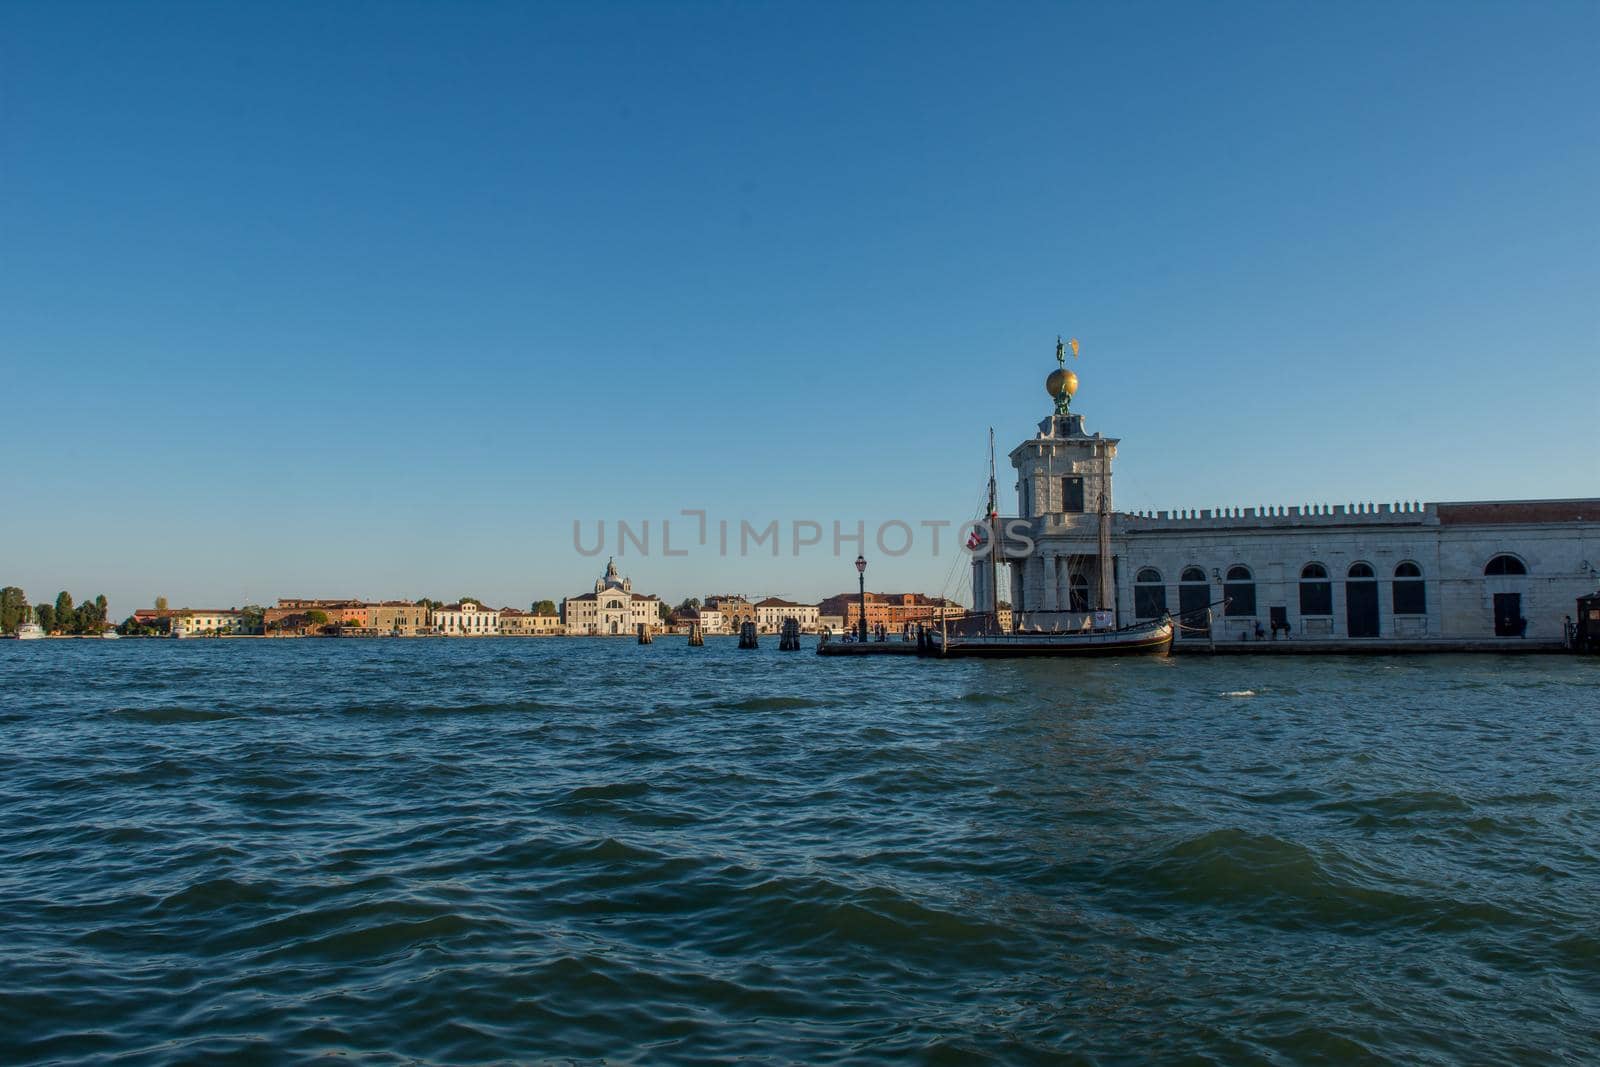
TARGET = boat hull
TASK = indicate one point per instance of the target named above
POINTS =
(1155, 640)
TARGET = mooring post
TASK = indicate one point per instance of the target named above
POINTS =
(645, 636)
(790, 641)
(747, 635)
(697, 637)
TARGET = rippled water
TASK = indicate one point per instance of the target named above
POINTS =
(524, 849)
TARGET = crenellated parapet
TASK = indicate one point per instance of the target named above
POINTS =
(1403, 513)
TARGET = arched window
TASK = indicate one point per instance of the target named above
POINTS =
(1193, 574)
(1410, 591)
(1316, 592)
(1504, 564)
(1240, 591)
(1149, 594)
(1080, 592)
(1362, 570)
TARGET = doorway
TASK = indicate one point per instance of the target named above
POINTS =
(1192, 602)
(1361, 608)
(1508, 615)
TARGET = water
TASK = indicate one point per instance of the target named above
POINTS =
(513, 850)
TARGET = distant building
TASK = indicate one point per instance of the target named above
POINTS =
(613, 607)
(711, 621)
(466, 619)
(194, 622)
(892, 611)
(733, 610)
(514, 623)
(399, 617)
(293, 614)
(771, 613)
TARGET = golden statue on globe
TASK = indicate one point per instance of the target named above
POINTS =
(1062, 383)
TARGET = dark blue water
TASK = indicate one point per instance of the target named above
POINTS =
(515, 850)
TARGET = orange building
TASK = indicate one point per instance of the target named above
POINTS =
(292, 615)
(893, 611)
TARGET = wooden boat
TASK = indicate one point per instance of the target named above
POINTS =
(1146, 639)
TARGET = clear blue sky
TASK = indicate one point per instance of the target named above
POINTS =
(377, 298)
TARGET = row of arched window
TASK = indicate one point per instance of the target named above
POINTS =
(1316, 587)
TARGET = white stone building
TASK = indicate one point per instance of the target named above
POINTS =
(712, 622)
(613, 607)
(771, 612)
(466, 619)
(1496, 570)
(190, 622)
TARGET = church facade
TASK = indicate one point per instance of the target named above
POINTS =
(1489, 570)
(613, 608)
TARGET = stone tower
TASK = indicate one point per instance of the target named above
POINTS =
(1064, 496)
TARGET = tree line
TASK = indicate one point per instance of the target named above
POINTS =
(64, 616)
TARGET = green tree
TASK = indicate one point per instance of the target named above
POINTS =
(13, 609)
(47, 617)
(316, 618)
(66, 616)
(691, 604)
(662, 610)
(161, 603)
(476, 600)
(90, 617)
(545, 607)
(252, 619)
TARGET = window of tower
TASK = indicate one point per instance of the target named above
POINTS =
(1072, 494)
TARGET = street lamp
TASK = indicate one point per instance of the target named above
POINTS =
(861, 572)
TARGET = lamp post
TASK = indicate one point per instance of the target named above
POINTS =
(861, 573)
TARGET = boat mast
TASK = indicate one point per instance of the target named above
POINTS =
(1108, 575)
(994, 544)
(1103, 600)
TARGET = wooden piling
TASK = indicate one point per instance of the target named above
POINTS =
(697, 637)
(645, 635)
(747, 635)
(789, 641)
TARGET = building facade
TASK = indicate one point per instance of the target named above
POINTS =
(293, 614)
(613, 607)
(400, 618)
(893, 612)
(1507, 570)
(734, 611)
(771, 613)
(466, 619)
(195, 622)
(514, 623)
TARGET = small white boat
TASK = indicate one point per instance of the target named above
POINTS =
(109, 635)
(30, 631)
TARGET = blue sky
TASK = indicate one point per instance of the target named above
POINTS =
(377, 299)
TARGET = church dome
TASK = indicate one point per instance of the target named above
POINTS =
(1061, 380)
